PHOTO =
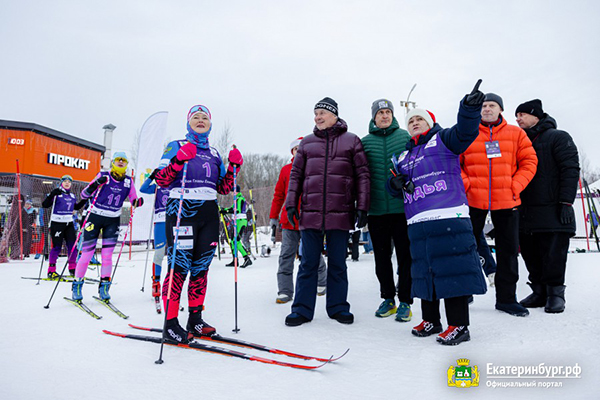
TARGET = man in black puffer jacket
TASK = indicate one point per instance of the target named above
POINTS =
(547, 216)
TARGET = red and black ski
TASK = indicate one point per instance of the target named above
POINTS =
(214, 349)
(249, 345)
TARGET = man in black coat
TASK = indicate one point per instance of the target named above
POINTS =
(547, 216)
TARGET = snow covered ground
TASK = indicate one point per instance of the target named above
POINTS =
(61, 353)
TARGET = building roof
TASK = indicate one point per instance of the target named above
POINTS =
(42, 130)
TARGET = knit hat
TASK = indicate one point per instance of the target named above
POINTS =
(533, 107)
(381, 104)
(120, 154)
(295, 143)
(426, 115)
(115, 169)
(198, 109)
(495, 98)
(328, 104)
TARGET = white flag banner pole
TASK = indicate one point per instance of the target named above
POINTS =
(152, 139)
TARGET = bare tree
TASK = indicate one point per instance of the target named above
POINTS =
(261, 170)
(224, 141)
(590, 173)
(135, 148)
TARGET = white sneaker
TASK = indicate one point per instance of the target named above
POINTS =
(321, 290)
(282, 298)
(492, 279)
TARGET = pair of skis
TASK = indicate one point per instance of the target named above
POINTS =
(63, 279)
(194, 345)
(83, 307)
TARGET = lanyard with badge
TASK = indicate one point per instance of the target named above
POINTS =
(492, 149)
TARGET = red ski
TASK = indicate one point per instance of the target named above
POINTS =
(214, 349)
(241, 343)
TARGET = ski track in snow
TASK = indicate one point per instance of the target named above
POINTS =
(61, 353)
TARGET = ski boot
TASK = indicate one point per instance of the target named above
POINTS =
(94, 260)
(52, 272)
(231, 264)
(425, 329)
(247, 262)
(197, 326)
(103, 289)
(175, 333)
(77, 286)
(156, 286)
(454, 335)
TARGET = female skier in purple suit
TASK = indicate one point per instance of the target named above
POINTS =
(113, 186)
(199, 225)
(62, 202)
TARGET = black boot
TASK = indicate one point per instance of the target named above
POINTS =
(556, 299)
(537, 298)
(231, 264)
(175, 333)
(247, 262)
(197, 326)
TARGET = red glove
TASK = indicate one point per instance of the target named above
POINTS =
(235, 157)
(186, 153)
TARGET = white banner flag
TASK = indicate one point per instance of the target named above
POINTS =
(152, 141)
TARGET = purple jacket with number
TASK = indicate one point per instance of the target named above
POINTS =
(331, 173)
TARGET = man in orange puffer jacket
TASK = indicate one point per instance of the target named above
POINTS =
(496, 168)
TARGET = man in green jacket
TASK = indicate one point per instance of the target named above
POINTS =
(387, 220)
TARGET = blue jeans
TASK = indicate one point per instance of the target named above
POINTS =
(366, 236)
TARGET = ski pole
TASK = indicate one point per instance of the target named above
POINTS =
(78, 236)
(20, 202)
(123, 243)
(172, 265)
(235, 258)
(592, 209)
(254, 222)
(48, 240)
(587, 236)
(149, 239)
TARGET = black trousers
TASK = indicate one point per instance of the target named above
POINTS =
(355, 237)
(506, 226)
(545, 256)
(457, 311)
(384, 229)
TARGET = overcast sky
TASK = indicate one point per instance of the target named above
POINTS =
(260, 66)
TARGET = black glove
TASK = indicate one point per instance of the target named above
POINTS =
(273, 223)
(397, 183)
(55, 192)
(80, 204)
(100, 181)
(291, 214)
(138, 202)
(566, 214)
(361, 219)
(153, 174)
(476, 97)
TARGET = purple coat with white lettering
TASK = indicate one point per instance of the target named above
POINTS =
(444, 255)
(111, 196)
(331, 174)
